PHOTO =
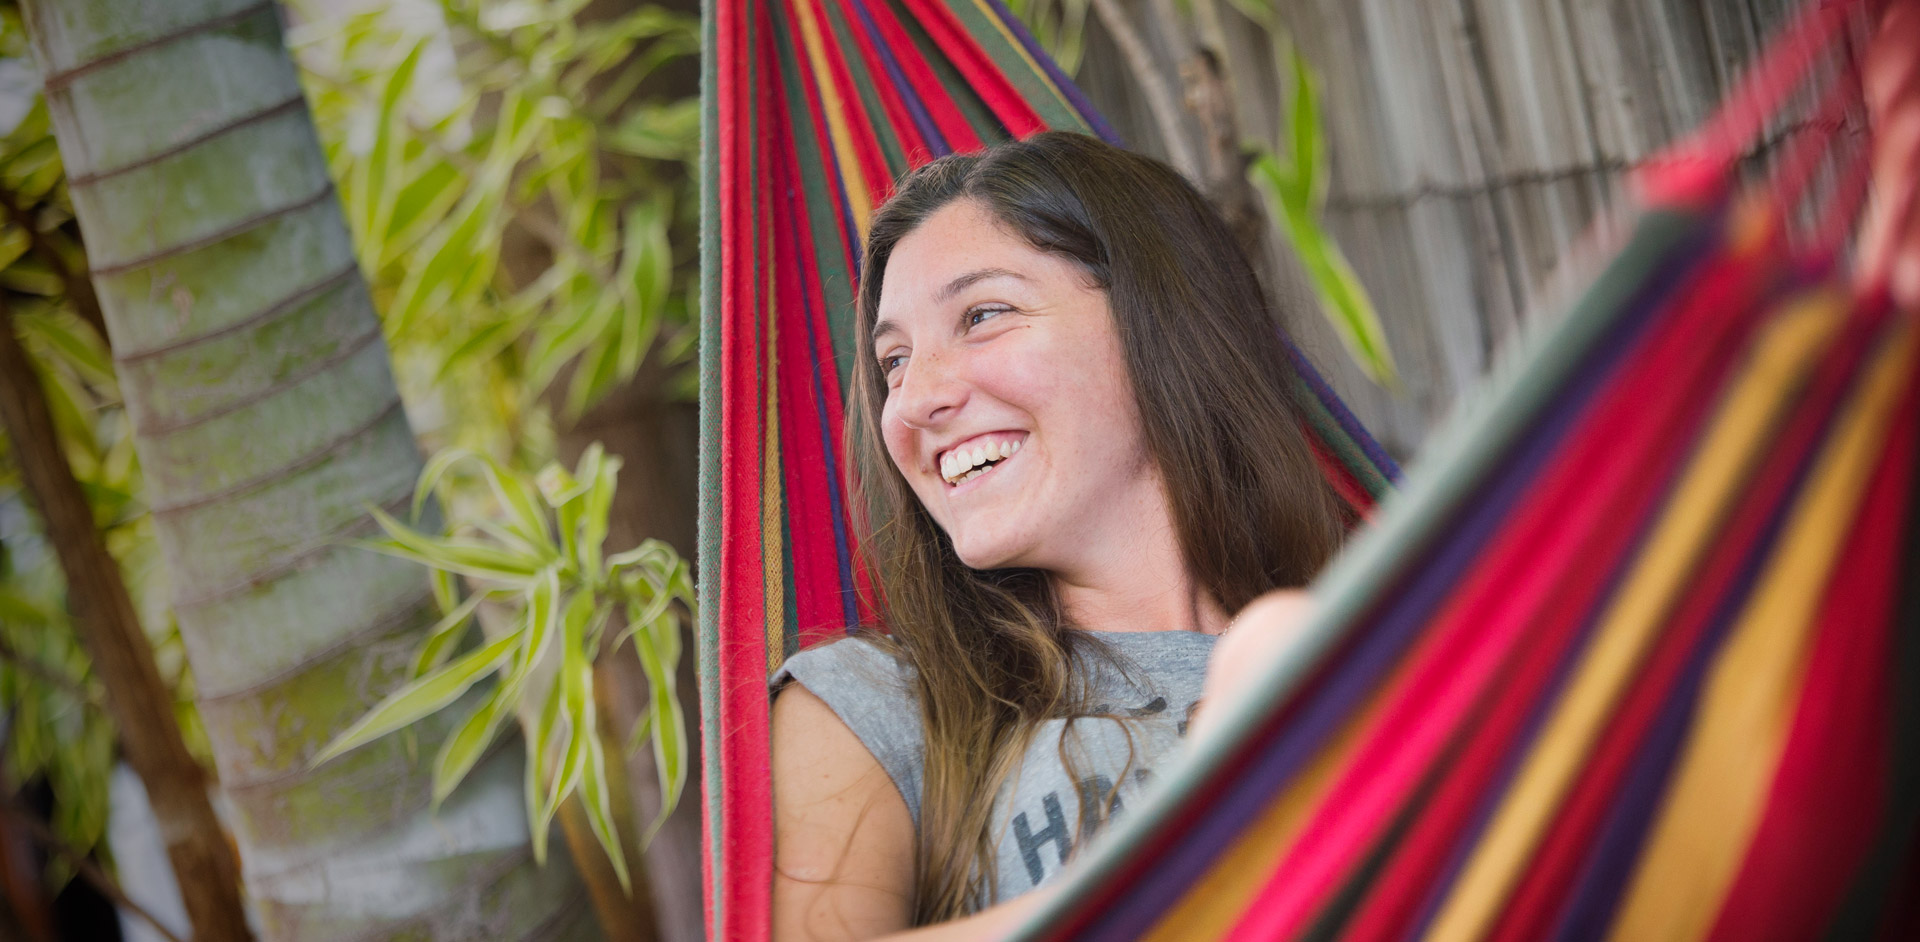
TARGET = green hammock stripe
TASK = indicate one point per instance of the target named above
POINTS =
(1459, 457)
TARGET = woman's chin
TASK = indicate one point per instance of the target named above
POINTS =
(986, 554)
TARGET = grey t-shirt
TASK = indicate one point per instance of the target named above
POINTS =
(1040, 815)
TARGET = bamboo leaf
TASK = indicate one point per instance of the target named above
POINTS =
(1343, 301)
(576, 693)
(73, 341)
(420, 698)
(430, 475)
(446, 634)
(1303, 125)
(594, 795)
(469, 742)
(538, 742)
(669, 746)
(601, 474)
(466, 557)
(14, 243)
(543, 615)
(422, 201)
(650, 550)
(445, 595)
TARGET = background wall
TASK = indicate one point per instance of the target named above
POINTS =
(1472, 142)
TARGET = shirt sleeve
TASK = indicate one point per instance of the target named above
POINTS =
(872, 693)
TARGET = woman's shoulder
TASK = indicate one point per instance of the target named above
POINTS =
(856, 665)
(872, 692)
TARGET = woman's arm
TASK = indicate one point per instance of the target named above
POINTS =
(842, 835)
(843, 866)
(1890, 246)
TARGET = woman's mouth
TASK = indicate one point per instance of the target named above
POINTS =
(963, 464)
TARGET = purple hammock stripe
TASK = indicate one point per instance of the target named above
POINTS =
(1530, 734)
(1382, 462)
(1489, 802)
(842, 542)
(911, 96)
(1074, 95)
(1603, 879)
(1379, 646)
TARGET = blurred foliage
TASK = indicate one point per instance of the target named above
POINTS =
(541, 558)
(1294, 178)
(517, 216)
(524, 210)
(51, 714)
(1292, 172)
(1060, 26)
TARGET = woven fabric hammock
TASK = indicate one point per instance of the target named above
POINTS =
(1621, 662)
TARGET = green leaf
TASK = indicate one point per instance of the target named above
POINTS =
(575, 678)
(16, 607)
(479, 346)
(446, 634)
(445, 595)
(669, 745)
(543, 616)
(1303, 126)
(601, 473)
(421, 698)
(386, 161)
(639, 619)
(539, 741)
(466, 557)
(436, 186)
(430, 475)
(651, 551)
(13, 244)
(1343, 301)
(663, 131)
(594, 796)
(470, 741)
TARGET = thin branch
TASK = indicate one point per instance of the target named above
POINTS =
(84, 866)
(1161, 100)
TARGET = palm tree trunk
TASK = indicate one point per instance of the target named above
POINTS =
(266, 420)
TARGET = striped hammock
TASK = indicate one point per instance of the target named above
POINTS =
(1619, 663)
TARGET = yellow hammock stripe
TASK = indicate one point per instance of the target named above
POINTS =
(837, 128)
(1785, 351)
(1734, 747)
(1217, 900)
(772, 493)
(987, 11)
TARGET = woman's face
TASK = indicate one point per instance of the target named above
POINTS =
(1009, 409)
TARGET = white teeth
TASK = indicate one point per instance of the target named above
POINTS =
(963, 464)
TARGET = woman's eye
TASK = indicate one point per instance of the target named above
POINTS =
(890, 363)
(976, 315)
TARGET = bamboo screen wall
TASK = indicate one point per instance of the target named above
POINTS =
(1472, 142)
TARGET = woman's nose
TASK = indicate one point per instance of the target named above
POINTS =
(930, 391)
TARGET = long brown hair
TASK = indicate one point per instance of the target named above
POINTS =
(990, 648)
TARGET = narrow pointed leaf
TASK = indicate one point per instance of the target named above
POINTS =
(420, 698)
(594, 796)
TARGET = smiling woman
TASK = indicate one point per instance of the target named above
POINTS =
(1080, 454)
